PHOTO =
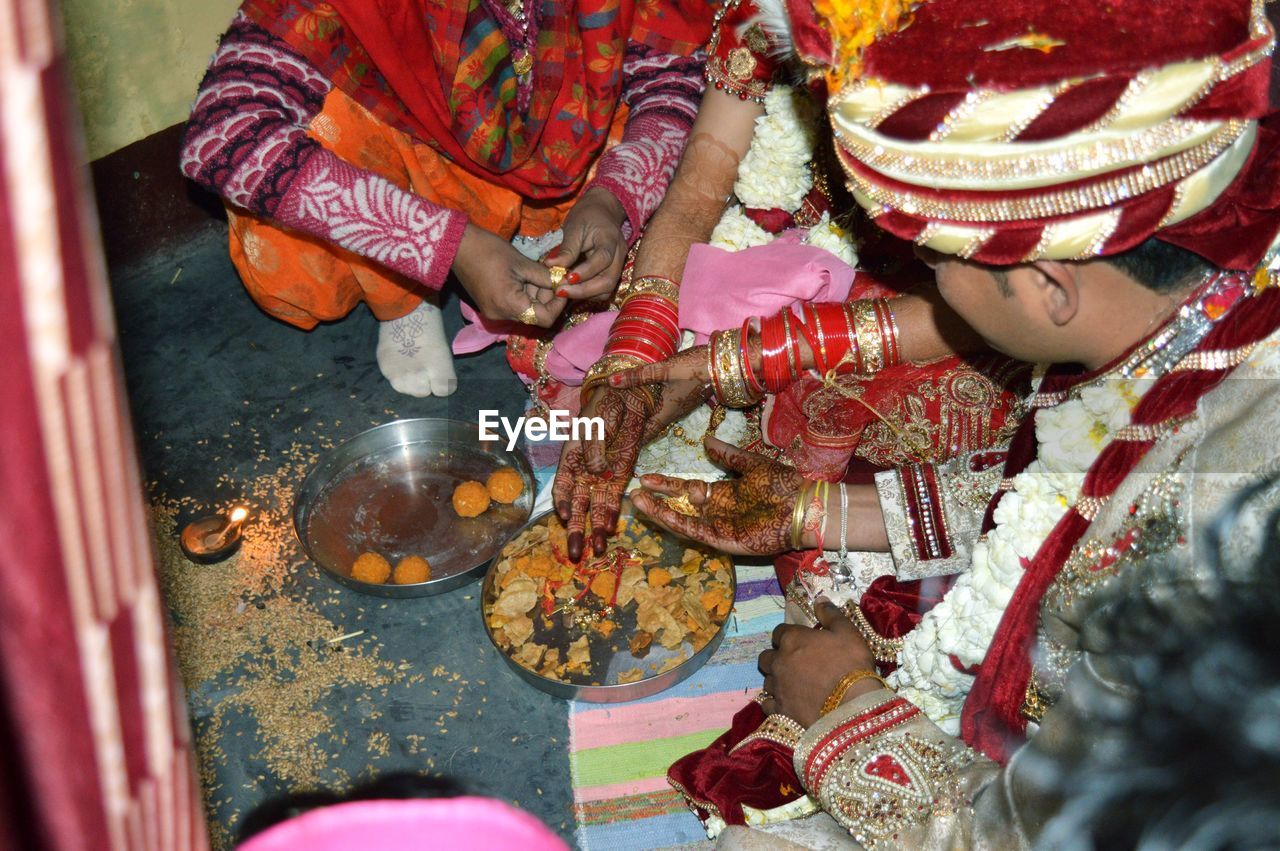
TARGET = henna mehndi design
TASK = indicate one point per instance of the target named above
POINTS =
(750, 514)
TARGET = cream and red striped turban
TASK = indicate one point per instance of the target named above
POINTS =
(1007, 132)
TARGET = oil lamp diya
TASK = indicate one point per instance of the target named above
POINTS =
(214, 538)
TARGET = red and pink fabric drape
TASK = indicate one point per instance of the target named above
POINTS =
(96, 752)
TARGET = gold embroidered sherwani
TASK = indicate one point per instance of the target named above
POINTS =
(891, 778)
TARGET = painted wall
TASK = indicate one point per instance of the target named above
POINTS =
(136, 63)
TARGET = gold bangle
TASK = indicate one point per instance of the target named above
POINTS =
(606, 366)
(654, 285)
(797, 514)
(717, 374)
(739, 389)
(725, 359)
(846, 682)
(819, 504)
(892, 341)
(786, 327)
(866, 328)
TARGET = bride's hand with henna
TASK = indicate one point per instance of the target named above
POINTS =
(747, 515)
(688, 365)
(593, 474)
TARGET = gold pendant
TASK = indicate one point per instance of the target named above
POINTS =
(524, 64)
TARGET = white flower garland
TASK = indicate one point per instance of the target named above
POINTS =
(1071, 436)
(775, 172)
(773, 175)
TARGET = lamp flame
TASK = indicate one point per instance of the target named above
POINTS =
(239, 513)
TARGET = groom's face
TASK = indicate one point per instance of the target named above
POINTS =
(1001, 304)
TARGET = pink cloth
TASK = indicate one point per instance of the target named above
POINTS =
(719, 290)
(722, 288)
(577, 348)
(480, 333)
(454, 823)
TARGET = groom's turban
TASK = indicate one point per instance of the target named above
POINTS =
(1012, 131)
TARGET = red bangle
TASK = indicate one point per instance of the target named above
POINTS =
(773, 344)
(638, 349)
(811, 338)
(644, 327)
(647, 327)
(840, 343)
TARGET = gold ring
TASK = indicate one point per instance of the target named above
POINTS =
(681, 505)
(557, 275)
(529, 317)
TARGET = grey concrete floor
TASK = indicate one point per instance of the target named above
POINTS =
(201, 361)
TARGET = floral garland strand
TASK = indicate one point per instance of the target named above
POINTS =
(774, 174)
(1070, 438)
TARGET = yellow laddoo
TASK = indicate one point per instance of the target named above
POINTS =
(470, 499)
(505, 485)
(412, 570)
(372, 568)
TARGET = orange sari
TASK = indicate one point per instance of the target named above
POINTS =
(304, 281)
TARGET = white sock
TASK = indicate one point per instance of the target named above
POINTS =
(414, 355)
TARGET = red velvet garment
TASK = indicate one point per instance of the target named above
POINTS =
(720, 780)
(1240, 225)
(893, 608)
(946, 46)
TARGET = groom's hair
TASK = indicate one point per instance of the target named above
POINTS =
(1161, 266)
(1156, 265)
(1186, 753)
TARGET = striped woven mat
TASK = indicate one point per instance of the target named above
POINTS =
(619, 754)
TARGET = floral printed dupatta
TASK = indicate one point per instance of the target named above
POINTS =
(442, 71)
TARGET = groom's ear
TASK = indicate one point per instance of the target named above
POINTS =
(1056, 290)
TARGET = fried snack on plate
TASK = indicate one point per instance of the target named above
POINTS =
(580, 654)
(530, 655)
(517, 599)
(549, 614)
(640, 644)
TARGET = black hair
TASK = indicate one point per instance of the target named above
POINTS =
(1154, 264)
(393, 786)
(1189, 755)
(1001, 274)
(1161, 266)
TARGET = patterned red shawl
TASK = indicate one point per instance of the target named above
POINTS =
(441, 71)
